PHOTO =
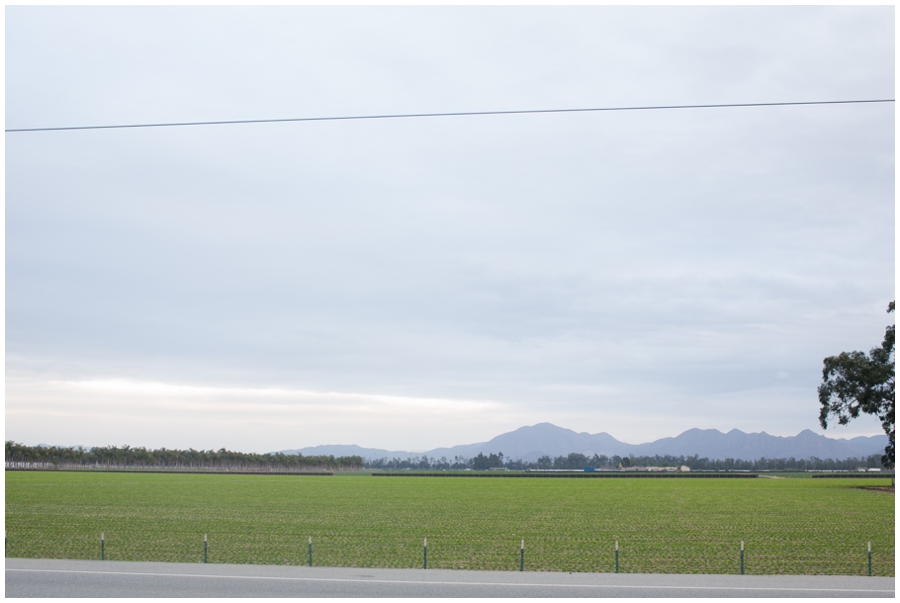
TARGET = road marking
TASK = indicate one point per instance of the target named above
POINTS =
(435, 582)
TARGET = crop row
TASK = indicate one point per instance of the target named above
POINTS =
(789, 526)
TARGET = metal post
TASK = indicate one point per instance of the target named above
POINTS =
(310, 551)
(522, 557)
(204, 548)
(742, 557)
(425, 555)
(102, 548)
(617, 556)
(870, 558)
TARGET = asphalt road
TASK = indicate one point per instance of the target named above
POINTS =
(68, 578)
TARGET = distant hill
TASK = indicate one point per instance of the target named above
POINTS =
(535, 441)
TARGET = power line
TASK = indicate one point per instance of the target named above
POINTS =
(457, 114)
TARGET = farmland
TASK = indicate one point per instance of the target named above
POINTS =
(789, 526)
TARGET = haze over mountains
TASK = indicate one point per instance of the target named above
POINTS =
(532, 442)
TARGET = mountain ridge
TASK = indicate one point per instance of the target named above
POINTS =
(528, 443)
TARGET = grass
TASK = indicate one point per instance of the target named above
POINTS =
(790, 526)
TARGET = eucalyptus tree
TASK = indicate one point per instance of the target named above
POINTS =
(855, 382)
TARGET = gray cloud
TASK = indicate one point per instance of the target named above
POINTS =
(630, 265)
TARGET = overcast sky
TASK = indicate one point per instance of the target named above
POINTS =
(415, 283)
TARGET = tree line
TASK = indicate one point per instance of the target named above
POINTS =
(109, 457)
(113, 457)
(580, 461)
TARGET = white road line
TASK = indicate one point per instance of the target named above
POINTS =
(766, 588)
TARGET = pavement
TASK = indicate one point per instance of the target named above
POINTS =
(74, 578)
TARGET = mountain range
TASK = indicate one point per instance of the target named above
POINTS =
(532, 442)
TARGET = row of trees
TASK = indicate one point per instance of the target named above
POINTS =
(19, 455)
(602, 461)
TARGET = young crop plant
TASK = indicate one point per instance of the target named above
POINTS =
(789, 526)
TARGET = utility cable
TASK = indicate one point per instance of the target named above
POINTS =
(457, 114)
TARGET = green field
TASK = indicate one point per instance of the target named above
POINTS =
(790, 526)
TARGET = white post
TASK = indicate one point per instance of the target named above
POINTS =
(869, 557)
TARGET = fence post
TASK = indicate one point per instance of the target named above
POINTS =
(742, 557)
(102, 548)
(870, 557)
(425, 555)
(617, 556)
(310, 551)
(204, 548)
(522, 557)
